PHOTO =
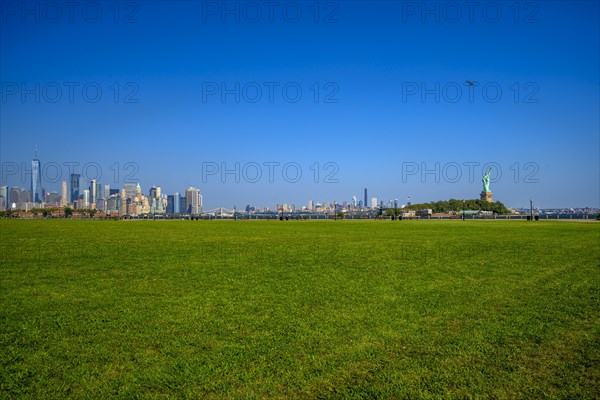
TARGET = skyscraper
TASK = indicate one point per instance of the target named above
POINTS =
(3, 198)
(63, 194)
(93, 191)
(36, 180)
(366, 204)
(176, 203)
(130, 190)
(183, 209)
(123, 201)
(156, 199)
(14, 197)
(25, 196)
(52, 199)
(193, 201)
(154, 192)
(86, 198)
(74, 187)
(170, 204)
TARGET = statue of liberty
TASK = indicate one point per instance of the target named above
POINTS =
(486, 180)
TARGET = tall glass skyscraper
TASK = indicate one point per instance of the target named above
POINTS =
(93, 191)
(170, 203)
(183, 207)
(37, 195)
(176, 203)
(74, 187)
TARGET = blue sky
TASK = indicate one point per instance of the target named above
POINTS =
(383, 101)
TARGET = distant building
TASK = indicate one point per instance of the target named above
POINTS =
(74, 180)
(79, 203)
(366, 202)
(182, 205)
(408, 213)
(14, 197)
(155, 200)
(36, 180)
(170, 204)
(101, 204)
(53, 199)
(130, 190)
(86, 198)
(193, 200)
(93, 191)
(123, 201)
(63, 194)
(112, 204)
(3, 198)
(311, 205)
(176, 203)
(138, 204)
(426, 212)
(26, 196)
(373, 202)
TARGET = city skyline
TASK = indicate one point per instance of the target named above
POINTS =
(161, 202)
(401, 98)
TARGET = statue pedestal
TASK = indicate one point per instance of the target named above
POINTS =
(486, 196)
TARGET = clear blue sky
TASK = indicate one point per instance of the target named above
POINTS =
(370, 62)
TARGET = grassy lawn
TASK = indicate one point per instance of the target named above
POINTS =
(299, 309)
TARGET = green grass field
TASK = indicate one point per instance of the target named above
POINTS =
(299, 309)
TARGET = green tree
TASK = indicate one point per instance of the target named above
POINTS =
(455, 205)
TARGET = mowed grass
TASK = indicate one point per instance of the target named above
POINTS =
(299, 309)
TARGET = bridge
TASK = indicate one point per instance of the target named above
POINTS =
(218, 212)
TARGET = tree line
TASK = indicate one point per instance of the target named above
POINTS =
(455, 205)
